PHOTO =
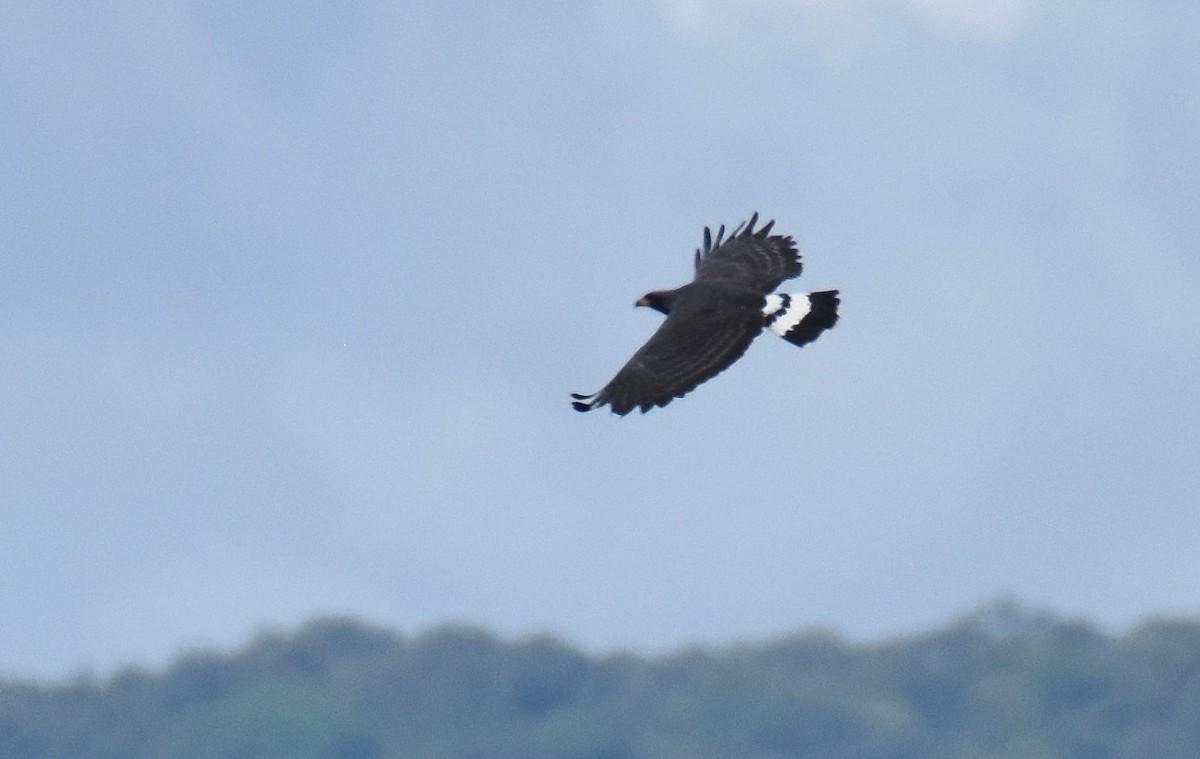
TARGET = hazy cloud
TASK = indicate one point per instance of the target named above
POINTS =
(991, 22)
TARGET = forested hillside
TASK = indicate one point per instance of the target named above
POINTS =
(1001, 683)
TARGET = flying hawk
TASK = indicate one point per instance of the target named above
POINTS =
(712, 320)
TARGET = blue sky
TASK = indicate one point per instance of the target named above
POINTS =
(294, 295)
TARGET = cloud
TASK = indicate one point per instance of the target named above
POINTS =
(994, 22)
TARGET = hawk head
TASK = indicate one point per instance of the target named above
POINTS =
(659, 300)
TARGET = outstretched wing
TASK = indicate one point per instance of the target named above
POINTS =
(754, 260)
(691, 346)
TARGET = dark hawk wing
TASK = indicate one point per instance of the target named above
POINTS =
(750, 259)
(697, 341)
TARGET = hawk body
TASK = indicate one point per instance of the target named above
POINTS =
(712, 320)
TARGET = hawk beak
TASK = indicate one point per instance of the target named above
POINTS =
(643, 301)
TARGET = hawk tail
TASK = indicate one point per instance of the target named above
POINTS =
(581, 402)
(800, 318)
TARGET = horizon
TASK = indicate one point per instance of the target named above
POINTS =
(1000, 611)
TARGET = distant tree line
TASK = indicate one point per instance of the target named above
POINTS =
(1004, 683)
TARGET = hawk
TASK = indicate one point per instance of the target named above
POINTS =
(713, 319)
